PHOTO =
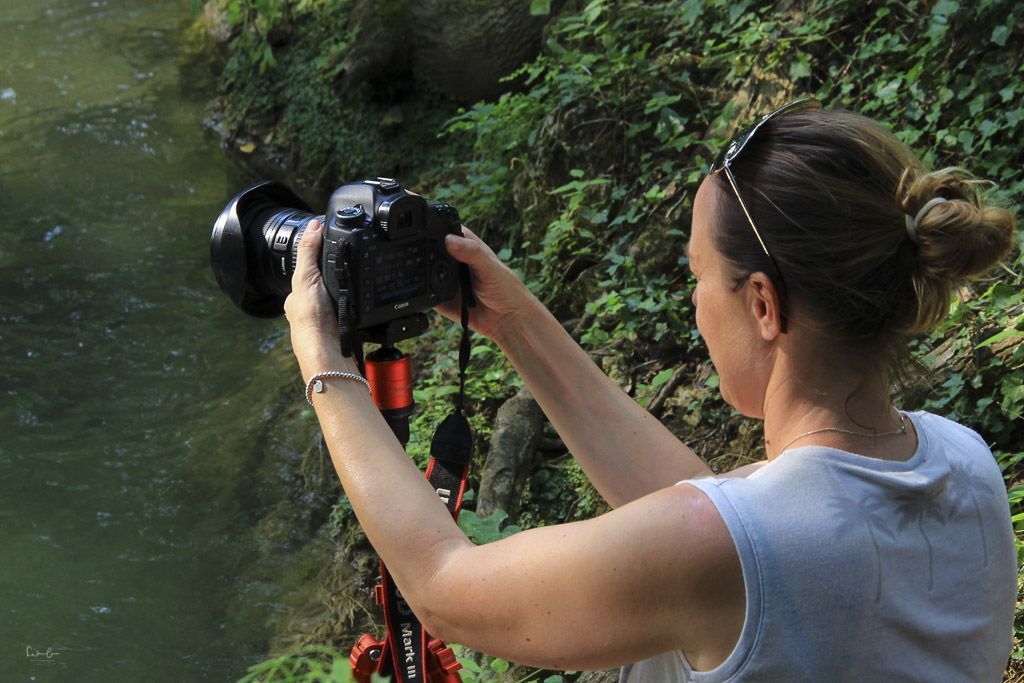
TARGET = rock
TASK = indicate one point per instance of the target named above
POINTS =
(517, 434)
(213, 22)
(465, 47)
(461, 47)
(210, 33)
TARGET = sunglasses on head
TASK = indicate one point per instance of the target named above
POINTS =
(731, 151)
(723, 161)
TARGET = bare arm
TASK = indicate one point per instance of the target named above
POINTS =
(656, 574)
(624, 451)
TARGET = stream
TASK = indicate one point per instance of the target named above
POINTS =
(123, 533)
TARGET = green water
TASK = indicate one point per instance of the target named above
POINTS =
(122, 532)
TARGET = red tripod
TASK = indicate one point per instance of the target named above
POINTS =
(407, 652)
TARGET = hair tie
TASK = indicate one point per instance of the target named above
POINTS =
(912, 223)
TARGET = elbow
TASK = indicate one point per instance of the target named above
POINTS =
(453, 621)
(437, 625)
(439, 602)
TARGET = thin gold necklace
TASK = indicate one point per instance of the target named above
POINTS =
(895, 432)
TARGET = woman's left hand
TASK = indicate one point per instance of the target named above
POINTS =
(310, 311)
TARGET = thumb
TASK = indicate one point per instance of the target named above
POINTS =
(468, 249)
(307, 268)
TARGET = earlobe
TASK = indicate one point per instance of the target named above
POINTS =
(767, 308)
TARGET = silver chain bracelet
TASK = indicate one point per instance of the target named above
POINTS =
(316, 383)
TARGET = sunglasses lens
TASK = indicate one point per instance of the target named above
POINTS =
(736, 145)
(729, 152)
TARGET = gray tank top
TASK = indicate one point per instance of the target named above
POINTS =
(860, 569)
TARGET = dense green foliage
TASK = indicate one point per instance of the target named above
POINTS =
(584, 178)
(313, 664)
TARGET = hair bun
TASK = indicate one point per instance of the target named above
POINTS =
(956, 239)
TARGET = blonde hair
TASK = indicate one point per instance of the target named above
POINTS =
(957, 240)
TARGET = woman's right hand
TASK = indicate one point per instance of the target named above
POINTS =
(500, 295)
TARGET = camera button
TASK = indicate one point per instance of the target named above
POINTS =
(442, 272)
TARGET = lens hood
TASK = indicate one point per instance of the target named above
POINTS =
(238, 240)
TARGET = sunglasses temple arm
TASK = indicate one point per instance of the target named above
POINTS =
(732, 181)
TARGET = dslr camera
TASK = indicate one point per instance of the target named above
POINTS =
(383, 259)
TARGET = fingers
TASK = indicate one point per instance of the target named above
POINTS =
(468, 249)
(451, 309)
(307, 270)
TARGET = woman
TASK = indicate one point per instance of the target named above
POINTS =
(869, 544)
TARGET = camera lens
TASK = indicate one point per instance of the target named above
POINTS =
(254, 247)
(282, 232)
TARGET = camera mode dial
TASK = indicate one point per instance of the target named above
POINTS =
(350, 216)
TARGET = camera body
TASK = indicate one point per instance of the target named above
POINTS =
(386, 247)
(383, 257)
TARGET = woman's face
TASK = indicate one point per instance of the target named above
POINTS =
(726, 316)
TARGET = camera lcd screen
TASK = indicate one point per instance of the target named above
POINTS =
(400, 272)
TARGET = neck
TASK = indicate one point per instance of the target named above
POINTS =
(832, 392)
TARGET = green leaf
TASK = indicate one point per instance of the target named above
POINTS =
(1000, 34)
(670, 125)
(469, 664)
(692, 10)
(977, 105)
(1013, 394)
(800, 67)
(661, 378)
(660, 99)
(486, 529)
(888, 92)
(945, 8)
(1004, 296)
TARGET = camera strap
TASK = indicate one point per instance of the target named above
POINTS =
(408, 653)
(348, 332)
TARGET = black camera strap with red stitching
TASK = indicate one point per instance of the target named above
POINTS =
(408, 653)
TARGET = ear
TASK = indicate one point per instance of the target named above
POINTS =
(765, 306)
